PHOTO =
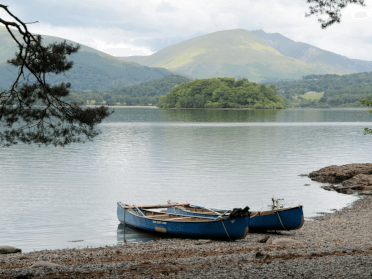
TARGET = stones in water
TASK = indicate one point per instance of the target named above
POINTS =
(354, 178)
(337, 174)
(362, 183)
(9, 250)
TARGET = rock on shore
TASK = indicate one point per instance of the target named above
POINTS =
(9, 250)
(354, 178)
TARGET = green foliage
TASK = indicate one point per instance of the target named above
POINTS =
(367, 102)
(330, 8)
(221, 93)
(339, 90)
(331, 85)
(143, 94)
(151, 88)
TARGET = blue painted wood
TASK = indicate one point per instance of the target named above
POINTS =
(292, 218)
(205, 228)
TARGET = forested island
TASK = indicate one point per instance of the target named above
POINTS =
(222, 93)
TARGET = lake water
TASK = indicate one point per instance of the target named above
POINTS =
(51, 196)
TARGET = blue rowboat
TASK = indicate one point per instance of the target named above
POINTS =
(276, 219)
(178, 225)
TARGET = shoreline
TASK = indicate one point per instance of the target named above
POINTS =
(337, 244)
(290, 108)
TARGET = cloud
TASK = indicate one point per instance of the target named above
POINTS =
(133, 26)
(166, 7)
(122, 49)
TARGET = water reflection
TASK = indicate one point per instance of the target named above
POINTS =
(127, 234)
(200, 115)
(228, 116)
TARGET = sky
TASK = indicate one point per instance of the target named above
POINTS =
(142, 27)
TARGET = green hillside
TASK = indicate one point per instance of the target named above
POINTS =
(331, 85)
(333, 90)
(144, 94)
(222, 93)
(153, 88)
(92, 68)
(233, 53)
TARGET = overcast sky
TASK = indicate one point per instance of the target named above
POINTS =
(142, 27)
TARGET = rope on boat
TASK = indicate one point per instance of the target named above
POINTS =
(225, 230)
(281, 221)
(124, 225)
(220, 216)
(258, 213)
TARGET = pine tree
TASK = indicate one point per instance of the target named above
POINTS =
(32, 110)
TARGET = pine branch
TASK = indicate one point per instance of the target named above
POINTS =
(35, 112)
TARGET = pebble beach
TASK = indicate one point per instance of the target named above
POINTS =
(335, 245)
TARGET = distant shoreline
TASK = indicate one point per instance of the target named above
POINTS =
(155, 107)
(93, 106)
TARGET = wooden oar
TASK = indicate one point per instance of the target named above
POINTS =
(157, 206)
(198, 206)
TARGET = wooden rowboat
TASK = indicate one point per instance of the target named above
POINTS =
(178, 225)
(277, 219)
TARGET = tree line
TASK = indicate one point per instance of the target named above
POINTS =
(144, 94)
(339, 90)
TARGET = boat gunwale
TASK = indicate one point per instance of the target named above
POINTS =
(254, 213)
(200, 219)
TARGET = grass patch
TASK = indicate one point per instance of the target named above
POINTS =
(312, 95)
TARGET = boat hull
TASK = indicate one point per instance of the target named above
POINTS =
(282, 219)
(220, 229)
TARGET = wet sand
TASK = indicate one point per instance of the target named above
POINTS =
(336, 245)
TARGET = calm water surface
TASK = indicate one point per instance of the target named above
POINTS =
(51, 196)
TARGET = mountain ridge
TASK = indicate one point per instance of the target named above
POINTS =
(298, 59)
(235, 53)
(313, 55)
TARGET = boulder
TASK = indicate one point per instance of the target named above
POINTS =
(9, 250)
(361, 183)
(44, 264)
(285, 241)
(338, 174)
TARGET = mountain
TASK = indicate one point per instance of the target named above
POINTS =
(328, 62)
(92, 68)
(255, 55)
(234, 53)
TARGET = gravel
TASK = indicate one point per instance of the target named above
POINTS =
(335, 245)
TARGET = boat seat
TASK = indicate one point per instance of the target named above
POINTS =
(158, 215)
(180, 218)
